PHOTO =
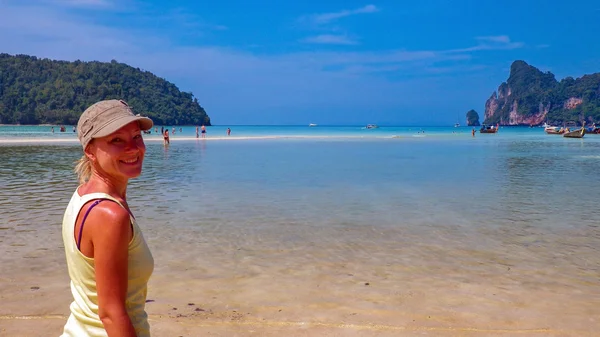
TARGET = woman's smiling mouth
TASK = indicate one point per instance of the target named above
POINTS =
(130, 161)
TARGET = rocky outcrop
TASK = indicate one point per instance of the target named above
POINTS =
(532, 97)
(572, 103)
(473, 118)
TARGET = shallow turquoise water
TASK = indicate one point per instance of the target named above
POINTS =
(450, 208)
(517, 178)
(519, 174)
(44, 132)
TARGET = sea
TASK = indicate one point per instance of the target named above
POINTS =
(496, 231)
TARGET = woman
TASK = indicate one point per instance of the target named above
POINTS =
(108, 260)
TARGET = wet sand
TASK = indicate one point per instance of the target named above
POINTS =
(303, 310)
(312, 290)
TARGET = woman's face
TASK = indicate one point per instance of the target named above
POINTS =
(119, 155)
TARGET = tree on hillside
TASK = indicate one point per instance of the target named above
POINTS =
(39, 91)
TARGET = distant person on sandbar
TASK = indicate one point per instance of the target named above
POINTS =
(52, 129)
(203, 128)
(108, 260)
(197, 133)
(473, 132)
(166, 137)
(228, 131)
(162, 130)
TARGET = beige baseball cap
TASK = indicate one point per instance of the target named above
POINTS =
(105, 117)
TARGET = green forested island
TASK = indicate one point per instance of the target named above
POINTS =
(43, 91)
(532, 97)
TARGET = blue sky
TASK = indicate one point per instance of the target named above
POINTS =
(327, 62)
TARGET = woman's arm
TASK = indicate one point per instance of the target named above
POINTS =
(111, 234)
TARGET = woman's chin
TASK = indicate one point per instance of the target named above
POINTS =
(135, 175)
(131, 174)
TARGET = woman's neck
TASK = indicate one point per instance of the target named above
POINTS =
(98, 183)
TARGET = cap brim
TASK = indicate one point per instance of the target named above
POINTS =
(144, 122)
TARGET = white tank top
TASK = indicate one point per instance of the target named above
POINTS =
(84, 320)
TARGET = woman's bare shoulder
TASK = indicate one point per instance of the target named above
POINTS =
(108, 215)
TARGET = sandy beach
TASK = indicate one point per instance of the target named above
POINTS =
(333, 168)
(226, 310)
(237, 293)
(319, 305)
(257, 259)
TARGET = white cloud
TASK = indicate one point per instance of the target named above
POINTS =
(500, 42)
(51, 34)
(330, 39)
(497, 38)
(50, 30)
(323, 21)
(328, 17)
(84, 3)
(181, 17)
(454, 69)
(229, 79)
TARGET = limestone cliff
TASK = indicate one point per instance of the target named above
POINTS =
(532, 97)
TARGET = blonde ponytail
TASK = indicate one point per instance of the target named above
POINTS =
(83, 169)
